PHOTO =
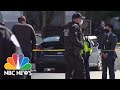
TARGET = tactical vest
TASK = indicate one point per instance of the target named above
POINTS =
(86, 48)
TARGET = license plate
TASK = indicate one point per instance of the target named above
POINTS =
(59, 53)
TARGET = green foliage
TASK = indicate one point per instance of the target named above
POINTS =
(97, 16)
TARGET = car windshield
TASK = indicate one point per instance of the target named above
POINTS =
(51, 39)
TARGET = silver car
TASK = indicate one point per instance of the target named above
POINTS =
(55, 59)
(95, 58)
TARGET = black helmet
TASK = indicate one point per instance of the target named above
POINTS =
(2, 23)
(78, 15)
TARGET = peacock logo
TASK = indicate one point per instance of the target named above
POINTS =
(17, 62)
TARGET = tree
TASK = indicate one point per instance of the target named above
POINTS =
(100, 15)
(97, 16)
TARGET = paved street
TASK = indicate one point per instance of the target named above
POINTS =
(93, 74)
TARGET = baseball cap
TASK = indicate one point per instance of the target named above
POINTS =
(78, 15)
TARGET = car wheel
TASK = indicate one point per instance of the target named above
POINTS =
(39, 68)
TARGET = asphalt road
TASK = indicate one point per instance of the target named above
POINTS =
(49, 74)
(93, 75)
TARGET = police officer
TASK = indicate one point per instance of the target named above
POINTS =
(108, 52)
(86, 51)
(8, 46)
(73, 43)
(26, 36)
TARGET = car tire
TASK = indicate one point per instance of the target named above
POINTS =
(39, 68)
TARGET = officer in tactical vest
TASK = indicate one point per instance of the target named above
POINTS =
(85, 52)
(73, 43)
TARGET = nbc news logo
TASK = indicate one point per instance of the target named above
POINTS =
(17, 65)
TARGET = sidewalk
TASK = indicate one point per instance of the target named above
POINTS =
(98, 74)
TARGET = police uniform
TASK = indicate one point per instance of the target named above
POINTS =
(8, 46)
(110, 41)
(73, 43)
(86, 51)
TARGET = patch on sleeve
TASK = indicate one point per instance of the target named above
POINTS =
(15, 41)
(66, 32)
(76, 33)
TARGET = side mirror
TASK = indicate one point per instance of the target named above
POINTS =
(97, 44)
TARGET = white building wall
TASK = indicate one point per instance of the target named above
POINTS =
(68, 16)
(10, 17)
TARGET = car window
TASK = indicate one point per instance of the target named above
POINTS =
(51, 39)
